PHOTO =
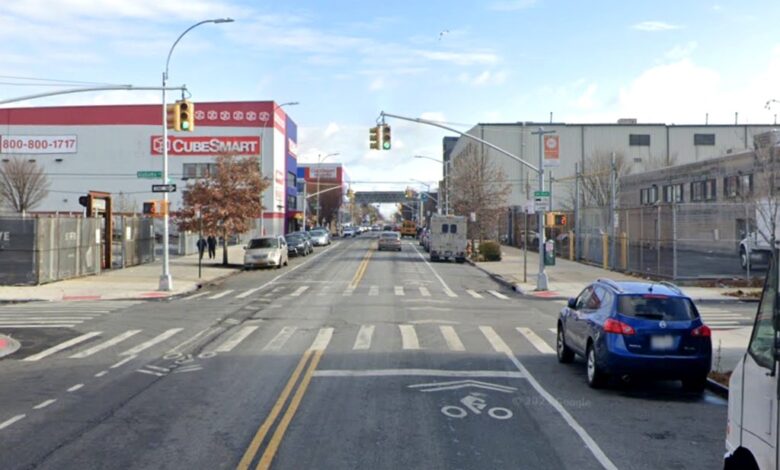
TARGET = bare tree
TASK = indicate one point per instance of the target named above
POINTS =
(596, 180)
(124, 204)
(23, 184)
(479, 186)
(765, 196)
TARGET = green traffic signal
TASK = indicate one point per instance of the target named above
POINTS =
(386, 145)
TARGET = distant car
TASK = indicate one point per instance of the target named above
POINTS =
(423, 232)
(389, 241)
(349, 232)
(642, 329)
(298, 245)
(266, 251)
(376, 228)
(320, 237)
(387, 228)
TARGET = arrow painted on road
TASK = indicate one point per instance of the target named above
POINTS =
(457, 384)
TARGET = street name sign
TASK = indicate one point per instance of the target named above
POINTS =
(149, 174)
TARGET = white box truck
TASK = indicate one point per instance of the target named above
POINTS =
(752, 428)
(448, 238)
(755, 248)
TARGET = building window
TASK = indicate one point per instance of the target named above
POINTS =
(710, 190)
(291, 203)
(291, 179)
(703, 139)
(668, 193)
(697, 191)
(643, 196)
(198, 170)
(678, 192)
(653, 194)
(746, 185)
(731, 186)
(639, 140)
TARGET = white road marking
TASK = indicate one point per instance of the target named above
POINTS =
(189, 340)
(431, 322)
(553, 330)
(424, 291)
(123, 361)
(61, 346)
(447, 289)
(452, 338)
(239, 336)
(276, 289)
(148, 344)
(144, 371)
(39, 325)
(188, 369)
(500, 346)
(75, 387)
(299, 291)
(474, 293)
(278, 341)
(348, 291)
(221, 294)
(47, 318)
(44, 404)
(409, 337)
(536, 341)
(11, 421)
(373, 291)
(106, 344)
(720, 323)
(418, 372)
(322, 340)
(363, 338)
(399, 290)
(248, 292)
(101, 373)
(498, 295)
(195, 296)
(161, 369)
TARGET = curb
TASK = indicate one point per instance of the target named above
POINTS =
(717, 388)
(8, 346)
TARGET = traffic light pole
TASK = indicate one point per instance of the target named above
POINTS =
(541, 280)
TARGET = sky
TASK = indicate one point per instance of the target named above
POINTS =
(452, 61)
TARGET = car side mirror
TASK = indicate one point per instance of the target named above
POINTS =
(572, 303)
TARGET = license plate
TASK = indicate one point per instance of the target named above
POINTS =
(661, 342)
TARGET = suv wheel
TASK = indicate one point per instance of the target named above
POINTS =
(596, 377)
(565, 353)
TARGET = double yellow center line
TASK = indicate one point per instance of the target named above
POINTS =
(361, 270)
(309, 361)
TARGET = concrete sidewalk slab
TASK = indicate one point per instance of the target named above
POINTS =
(137, 282)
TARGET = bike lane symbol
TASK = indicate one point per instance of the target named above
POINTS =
(474, 402)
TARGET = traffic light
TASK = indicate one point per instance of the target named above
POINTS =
(186, 111)
(155, 208)
(561, 219)
(373, 138)
(172, 121)
(386, 144)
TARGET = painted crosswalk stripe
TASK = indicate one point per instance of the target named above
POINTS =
(50, 319)
(451, 338)
(233, 341)
(61, 346)
(495, 341)
(409, 337)
(399, 290)
(278, 341)
(536, 341)
(106, 344)
(363, 338)
(498, 295)
(424, 291)
(322, 339)
(44, 404)
(11, 421)
(248, 292)
(38, 325)
(449, 292)
(148, 344)
(75, 387)
(348, 291)
(373, 291)
(474, 294)
(553, 330)
(299, 291)
(195, 296)
(221, 294)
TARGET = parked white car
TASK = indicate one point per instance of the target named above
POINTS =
(266, 251)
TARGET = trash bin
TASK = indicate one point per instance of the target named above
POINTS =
(549, 253)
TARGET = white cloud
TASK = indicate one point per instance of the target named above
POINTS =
(511, 5)
(376, 84)
(654, 26)
(152, 10)
(460, 58)
(486, 77)
(681, 51)
(587, 100)
(332, 129)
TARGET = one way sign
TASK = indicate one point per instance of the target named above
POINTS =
(163, 188)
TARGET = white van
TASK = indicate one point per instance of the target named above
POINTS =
(752, 428)
(448, 238)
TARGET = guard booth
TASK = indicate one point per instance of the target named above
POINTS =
(98, 205)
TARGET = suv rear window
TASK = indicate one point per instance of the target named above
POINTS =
(656, 307)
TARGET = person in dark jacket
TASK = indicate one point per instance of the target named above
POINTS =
(201, 244)
(212, 241)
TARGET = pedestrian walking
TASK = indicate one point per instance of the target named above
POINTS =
(201, 244)
(212, 242)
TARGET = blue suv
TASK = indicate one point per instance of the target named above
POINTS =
(642, 329)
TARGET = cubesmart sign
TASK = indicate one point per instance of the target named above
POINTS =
(202, 145)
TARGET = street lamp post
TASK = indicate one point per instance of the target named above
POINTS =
(320, 159)
(541, 282)
(447, 171)
(166, 282)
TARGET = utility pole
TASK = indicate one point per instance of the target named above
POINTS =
(541, 281)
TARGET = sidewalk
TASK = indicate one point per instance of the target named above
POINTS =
(137, 282)
(567, 278)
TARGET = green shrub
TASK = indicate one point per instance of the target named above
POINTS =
(490, 251)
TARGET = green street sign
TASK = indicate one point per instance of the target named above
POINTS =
(149, 174)
(541, 193)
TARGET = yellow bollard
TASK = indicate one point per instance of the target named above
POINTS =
(624, 251)
(571, 245)
(605, 250)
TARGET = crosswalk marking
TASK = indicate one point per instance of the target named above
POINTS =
(553, 330)
(348, 291)
(233, 341)
(498, 295)
(278, 341)
(399, 290)
(449, 292)
(495, 341)
(409, 337)
(536, 341)
(148, 344)
(363, 338)
(451, 337)
(195, 296)
(221, 294)
(373, 291)
(322, 340)
(474, 294)
(299, 291)
(721, 323)
(424, 291)
(39, 325)
(106, 344)
(61, 346)
(248, 292)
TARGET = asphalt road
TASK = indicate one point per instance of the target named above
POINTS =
(350, 358)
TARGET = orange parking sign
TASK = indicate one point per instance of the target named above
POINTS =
(551, 151)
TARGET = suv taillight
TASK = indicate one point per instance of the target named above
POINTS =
(702, 331)
(618, 327)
